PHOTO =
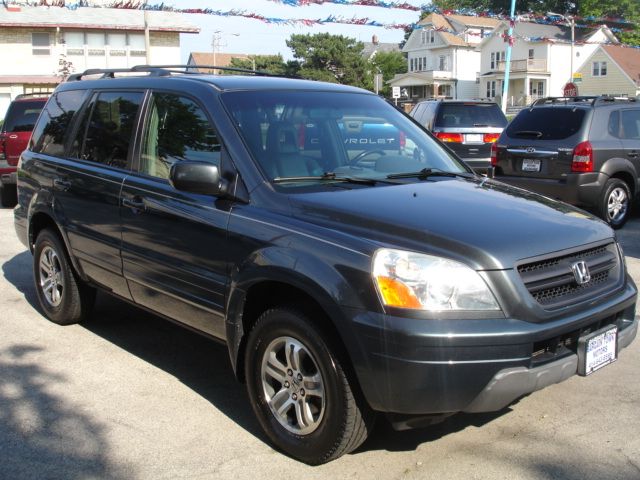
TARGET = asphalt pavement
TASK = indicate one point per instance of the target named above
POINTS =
(127, 395)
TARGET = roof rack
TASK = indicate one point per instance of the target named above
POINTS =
(591, 99)
(33, 95)
(159, 71)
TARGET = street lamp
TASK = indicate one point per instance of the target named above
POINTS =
(216, 43)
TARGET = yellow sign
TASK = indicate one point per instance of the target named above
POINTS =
(577, 77)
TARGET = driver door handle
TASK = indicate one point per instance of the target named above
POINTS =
(135, 203)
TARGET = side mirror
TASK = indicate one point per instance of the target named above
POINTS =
(196, 177)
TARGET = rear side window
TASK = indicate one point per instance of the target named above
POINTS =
(631, 124)
(109, 126)
(469, 115)
(22, 116)
(547, 123)
(49, 135)
(177, 130)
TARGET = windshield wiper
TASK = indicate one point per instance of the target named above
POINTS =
(327, 176)
(529, 133)
(429, 172)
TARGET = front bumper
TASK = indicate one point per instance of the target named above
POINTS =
(426, 367)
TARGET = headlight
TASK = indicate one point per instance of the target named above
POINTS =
(425, 282)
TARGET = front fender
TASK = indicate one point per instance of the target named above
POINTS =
(330, 285)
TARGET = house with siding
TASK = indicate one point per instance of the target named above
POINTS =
(541, 59)
(610, 70)
(442, 58)
(37, 43)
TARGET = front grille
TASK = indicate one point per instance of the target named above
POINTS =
(552, 283)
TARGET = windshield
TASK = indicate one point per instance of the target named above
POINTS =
(307, 135)
(469, 115)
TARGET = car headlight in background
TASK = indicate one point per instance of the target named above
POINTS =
(426, 282)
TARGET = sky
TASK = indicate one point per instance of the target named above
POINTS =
(251, 36)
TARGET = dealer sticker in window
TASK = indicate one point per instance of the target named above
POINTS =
(597, 350)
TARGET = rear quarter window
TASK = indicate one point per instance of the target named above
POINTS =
(53, 125)
(547, 123)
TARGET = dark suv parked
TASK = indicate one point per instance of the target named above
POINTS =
(468, 127)
(582, 150)
(345, 281)
(15, 131)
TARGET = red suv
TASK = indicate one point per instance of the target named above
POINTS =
(14, 136)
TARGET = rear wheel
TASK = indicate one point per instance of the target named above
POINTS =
(615, 203)
(64, 298)
(8, 195)
(300, 391)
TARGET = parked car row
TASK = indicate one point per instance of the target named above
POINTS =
(581, 150)
(354, 266)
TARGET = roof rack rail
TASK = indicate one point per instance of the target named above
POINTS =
(159, 71)
(33, 95)
(551, 100)
(187, 70)
(614, 98)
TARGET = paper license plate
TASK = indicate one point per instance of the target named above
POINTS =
(474, 138)
(530, 165)
(597, 350)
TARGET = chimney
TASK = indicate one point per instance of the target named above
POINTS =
(374, 40)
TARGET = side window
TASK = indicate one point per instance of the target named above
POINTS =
(177, 130)
(631, 124)
(614, 124)
(109, 126)
(49, 135)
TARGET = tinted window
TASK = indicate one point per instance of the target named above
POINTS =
(22, 115)
(469, 115)
(49, 135)
(294, 134)
(177, 130)
(108, 125)
(614, 124)
(631, 124)
(547, 123)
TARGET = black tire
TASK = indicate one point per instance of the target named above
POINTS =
(67, 300)
(8, 196)
(615, 203)
(342, 425)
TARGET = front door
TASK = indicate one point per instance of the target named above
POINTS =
(174, 243)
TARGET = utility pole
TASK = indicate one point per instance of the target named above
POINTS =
(507, 65)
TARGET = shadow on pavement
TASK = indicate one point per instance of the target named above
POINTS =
(40, 432)
(18, 272)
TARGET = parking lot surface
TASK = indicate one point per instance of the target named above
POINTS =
(127, 395)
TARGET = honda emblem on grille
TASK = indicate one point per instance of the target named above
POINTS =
(581, 272)
(531, 150)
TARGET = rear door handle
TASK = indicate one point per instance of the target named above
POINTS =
(63, 185)
(135, 203)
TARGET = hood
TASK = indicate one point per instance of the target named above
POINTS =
(480, 222)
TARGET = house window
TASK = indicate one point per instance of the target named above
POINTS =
(432, 36)
(137, 47)
(117, 43)
(599, 69)
(491, 89)
(96, 43)
(411, 65)
(531, 53)
(74, 42)
(443, 63)
(41, 44)
(424, 63)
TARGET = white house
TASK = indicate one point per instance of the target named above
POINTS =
(442, 57)
(541, 59)
(35, 41)
(611, 70)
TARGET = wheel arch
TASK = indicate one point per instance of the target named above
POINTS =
(624, 170)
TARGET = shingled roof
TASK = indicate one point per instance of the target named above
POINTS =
(627, 58)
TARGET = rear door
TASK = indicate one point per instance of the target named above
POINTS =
(174, 249)
(630, 133)
(87, 186)
(539, 142)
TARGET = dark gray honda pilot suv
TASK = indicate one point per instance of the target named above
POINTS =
(346, 281)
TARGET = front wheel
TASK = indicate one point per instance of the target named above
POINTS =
(615, 203)
(63, 297)
(300, 391)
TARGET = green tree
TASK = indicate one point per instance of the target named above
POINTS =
(267, 63)
(627, 9)
(330, 58)
(388, 63)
